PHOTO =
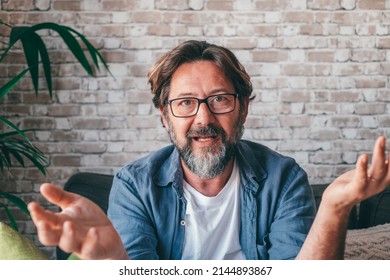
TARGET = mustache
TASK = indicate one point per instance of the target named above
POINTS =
(206, 131)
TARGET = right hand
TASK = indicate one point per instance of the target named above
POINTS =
(81, 227)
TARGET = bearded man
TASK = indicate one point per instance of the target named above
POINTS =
(209, 195)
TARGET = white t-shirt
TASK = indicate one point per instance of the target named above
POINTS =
(213, 223)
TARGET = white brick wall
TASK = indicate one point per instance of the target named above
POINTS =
(319, 68)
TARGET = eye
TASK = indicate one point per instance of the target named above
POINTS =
(186, 102)
(219, 99)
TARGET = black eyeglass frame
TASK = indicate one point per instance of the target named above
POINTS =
(200, 101)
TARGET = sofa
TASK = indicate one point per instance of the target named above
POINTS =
(368, 235)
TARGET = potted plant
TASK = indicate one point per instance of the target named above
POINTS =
(15, 145)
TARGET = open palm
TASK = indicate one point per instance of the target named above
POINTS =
(363, 182)
(81, 227)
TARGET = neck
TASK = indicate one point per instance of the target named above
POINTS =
(208, 187)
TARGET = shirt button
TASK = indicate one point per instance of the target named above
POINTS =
(182, 223)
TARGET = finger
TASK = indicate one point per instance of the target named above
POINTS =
(361, 176)
(379, 166)
(68, 241)
(90, 246)
(48, 235)
(39, 214)
(57, 195)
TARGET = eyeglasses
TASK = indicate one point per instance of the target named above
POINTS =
(189, 106)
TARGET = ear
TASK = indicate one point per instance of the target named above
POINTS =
(163, 118)
(246, 109)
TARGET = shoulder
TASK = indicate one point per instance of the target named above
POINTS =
(262, 164)
(258, 154)
(150, 168)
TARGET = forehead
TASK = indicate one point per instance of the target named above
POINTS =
(200, 78)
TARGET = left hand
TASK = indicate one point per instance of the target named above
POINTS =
(361, 183)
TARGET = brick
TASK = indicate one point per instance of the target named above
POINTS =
(325, 158)
(118, 5)
(89, 148)
(119, 135)
(295, 17)
(345, 121)
(384, 95)
(147, 17)
(66, 160)
(114, 110)
(370, 108)
(220, 5)
(67, 136)
(345, 96)
(383, 43)
(17, 5)
(295, 121)
(90, 123)
(347, 69)
(321, 108)
(269, 5)
(321, 56)
(298, 42)
(298, 70)
(171, 5)
(117, 160)
(196, 4)
(265, 31)
(294, 96)
(368, 56)
(271, 133)
(38, 123)
(323, 5)
(348, 4)
(370, 82)
(365, 30)
(325, 134)
(269, 56)
(64, 110)
(66, 5)
(143, 122)
(241, 44)
(369, 4)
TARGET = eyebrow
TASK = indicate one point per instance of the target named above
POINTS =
(214, 91)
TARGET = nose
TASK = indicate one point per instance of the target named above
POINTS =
(204, 115)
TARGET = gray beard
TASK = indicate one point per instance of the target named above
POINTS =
(213, 160)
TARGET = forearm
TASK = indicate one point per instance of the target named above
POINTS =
(326, 238)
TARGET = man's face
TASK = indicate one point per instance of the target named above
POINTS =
(206, 142)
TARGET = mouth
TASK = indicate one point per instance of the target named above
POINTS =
(204, 138)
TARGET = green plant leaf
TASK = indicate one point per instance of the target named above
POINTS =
(17, 144)
(17, 156)
(45, 61)
(10, 217)
(18, 202)
(20, 132)
(17, 33)
(33, 43)
(94, 53)
(31, 53)
(33, 158)
(6, 156)
(69, 40)
(10, 84)
(22, 149)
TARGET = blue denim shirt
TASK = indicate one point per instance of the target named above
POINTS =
(148, 208)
